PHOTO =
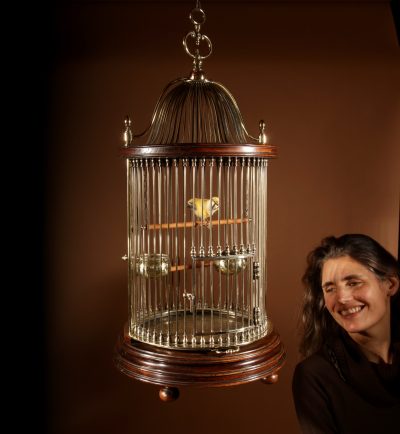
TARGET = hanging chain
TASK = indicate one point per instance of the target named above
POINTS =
(198, 18)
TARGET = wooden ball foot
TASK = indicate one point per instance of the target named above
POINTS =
(271, 379)
(168, 394)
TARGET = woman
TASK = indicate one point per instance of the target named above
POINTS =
(349, 381)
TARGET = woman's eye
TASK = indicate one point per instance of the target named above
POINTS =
(353, 283)
(329, 288)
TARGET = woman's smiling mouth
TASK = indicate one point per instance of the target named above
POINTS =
(351, 310)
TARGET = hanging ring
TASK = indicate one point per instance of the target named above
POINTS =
(197, 17)
(197, 55)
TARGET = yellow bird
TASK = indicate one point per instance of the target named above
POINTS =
(205, 207)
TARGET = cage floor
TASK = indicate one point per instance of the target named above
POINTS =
(208, 328)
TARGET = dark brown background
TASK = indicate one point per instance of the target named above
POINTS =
(322, 75)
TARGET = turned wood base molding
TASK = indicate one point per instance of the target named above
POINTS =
(260, 360)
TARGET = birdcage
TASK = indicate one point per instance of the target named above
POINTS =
(197, 240)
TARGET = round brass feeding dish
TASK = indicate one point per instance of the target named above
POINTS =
(231, 264)
(154, 265)
(197, 240)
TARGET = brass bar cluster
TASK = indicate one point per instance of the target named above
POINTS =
(196, 236)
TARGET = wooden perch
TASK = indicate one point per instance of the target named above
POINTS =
(190, 224)
(188, 266)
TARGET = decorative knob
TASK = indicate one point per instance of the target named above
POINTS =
(128, 136)
(262, 138)
(271, 379)
(168, 394)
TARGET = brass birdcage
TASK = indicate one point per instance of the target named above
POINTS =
(197, 241)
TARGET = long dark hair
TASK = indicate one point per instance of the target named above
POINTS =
(317, 324)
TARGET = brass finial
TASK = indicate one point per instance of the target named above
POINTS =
(127, 131)
(262, 138)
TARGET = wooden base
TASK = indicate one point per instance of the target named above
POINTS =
(170, 368)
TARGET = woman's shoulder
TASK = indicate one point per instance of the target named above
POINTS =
(315, 372)
(317, 363)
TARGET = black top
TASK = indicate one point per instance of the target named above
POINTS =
(337, 390)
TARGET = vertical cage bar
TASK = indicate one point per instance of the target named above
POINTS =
(235, 242)
(176, 260)
(202, 249)
(219, 207)
(219, 248)
(202, 206)
(227, 248)
(167, 195)
(255, 222)
(242, 216)
(241, 249)
(257, 238)
(235, 206)
(143, 229)
(226, 211)
(193, 254)
(211, 254)
(248, 202)
(153, 173)
(147, 225)
(134, 231)
(160, 244)
(154, 283)
(261, 240)
(185, 201)
(129, 194)
(265, 236)
(138, 211)
(249, 216)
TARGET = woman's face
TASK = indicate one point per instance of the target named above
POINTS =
(356, 298)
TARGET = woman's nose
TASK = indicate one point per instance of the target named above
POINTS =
(344, 295)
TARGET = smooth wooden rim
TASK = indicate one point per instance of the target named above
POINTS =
(181, 150)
